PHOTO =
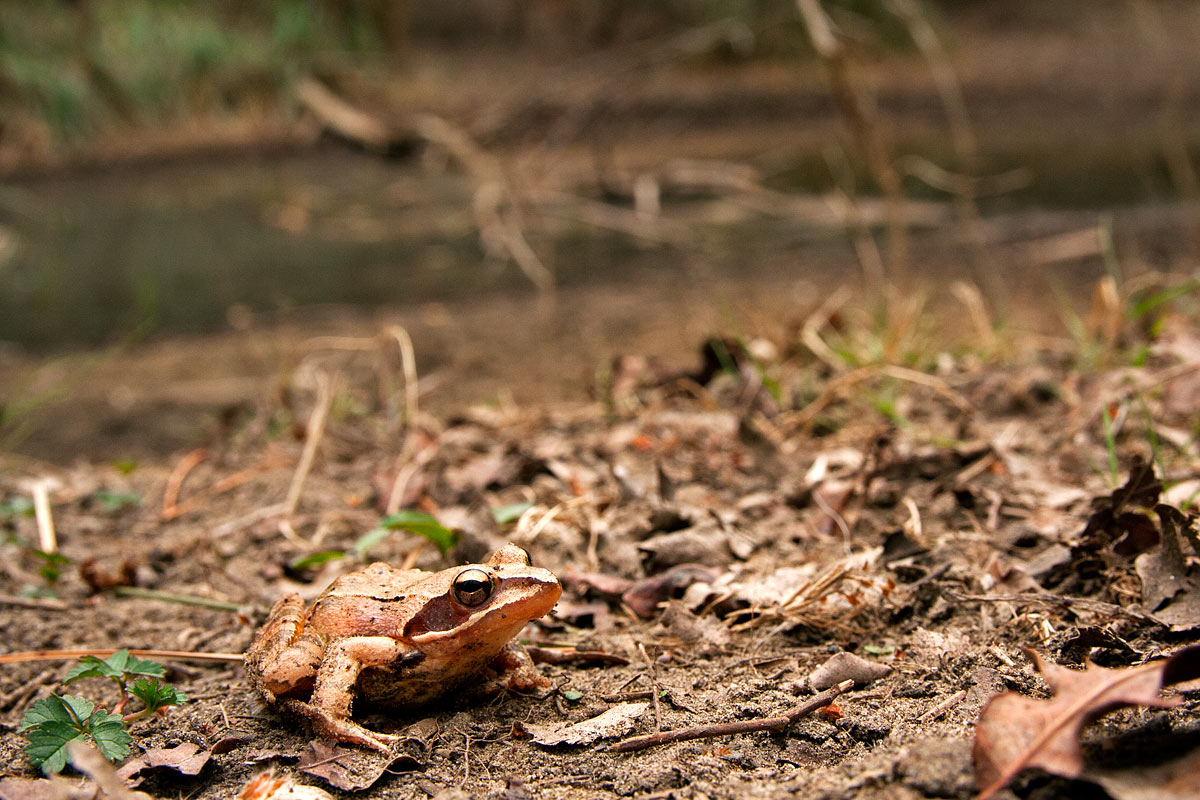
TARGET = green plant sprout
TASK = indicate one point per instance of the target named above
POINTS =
(52, 564)
(120, 667)
(53, 722)
(19, 506)
(50, 570)
(417, 522)
(1110, 445)
(422, 524)
(112, 501)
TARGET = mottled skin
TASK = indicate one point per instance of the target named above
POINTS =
(399, 638)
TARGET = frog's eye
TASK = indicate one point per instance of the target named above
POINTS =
(472, 587)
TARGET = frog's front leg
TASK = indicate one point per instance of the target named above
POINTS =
(333, 694)
(284, 656)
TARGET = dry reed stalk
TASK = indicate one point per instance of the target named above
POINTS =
(313, 433)
(497, 203)
(408, 363)
(865, 129)
(803, 418)
(969, 295)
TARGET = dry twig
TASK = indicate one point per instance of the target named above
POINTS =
(105, 652)
(773, 724)
(45, 603)
(47, 538)
(172, 509)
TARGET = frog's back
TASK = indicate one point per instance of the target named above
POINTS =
(373, 601)
(379, 580)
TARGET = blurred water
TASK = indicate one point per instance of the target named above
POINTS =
(97, 256)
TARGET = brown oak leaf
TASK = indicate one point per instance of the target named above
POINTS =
(1015, 732)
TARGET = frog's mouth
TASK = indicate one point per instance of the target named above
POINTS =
(516, 601)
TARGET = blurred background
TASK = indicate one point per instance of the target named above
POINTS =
(190, 193)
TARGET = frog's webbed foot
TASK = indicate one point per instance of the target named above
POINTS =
(517, 670)
(342, 730)
(333, 693)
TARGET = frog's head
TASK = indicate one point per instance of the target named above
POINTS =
(480, 607)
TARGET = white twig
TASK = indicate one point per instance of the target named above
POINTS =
(47, 539)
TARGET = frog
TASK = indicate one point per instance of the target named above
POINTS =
(399, 639)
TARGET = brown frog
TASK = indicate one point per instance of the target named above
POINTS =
(399, 638)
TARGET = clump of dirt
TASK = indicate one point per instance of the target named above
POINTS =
(720, 530)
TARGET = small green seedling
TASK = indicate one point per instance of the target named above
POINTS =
(52, 564)
(511, 513)
(416, 522)
(16, 507)
(51, 570)
(422, 524)
(53, 721)
(120, 668)
(113, 502)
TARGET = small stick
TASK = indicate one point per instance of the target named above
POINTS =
(50, 603)
(47, 539)
(171, 597)
(571, 655)
(246, 520)
(942, 707)
(220, 487)
(1003, 656)
(773, 724)
(624, 697)
(170, 504)
(653, 685)
(104, 652)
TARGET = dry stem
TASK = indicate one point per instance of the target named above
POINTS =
(863, 124)
(773, 724)
(105, 652)
(313, 433)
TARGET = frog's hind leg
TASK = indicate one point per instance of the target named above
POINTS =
(333, 692)
(284, 656)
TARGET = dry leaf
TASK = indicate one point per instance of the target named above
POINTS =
(266, 786)
(645, 595)
(87, 759)
(1175, 780)
(617, 721)
(350, 769)
(1118, 519)
(1169, 593)
(57, 788)
(846, 666)
(186, 759)
(1015, 732)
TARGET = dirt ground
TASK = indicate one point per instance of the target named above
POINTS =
(726, 515)
(721, 528)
